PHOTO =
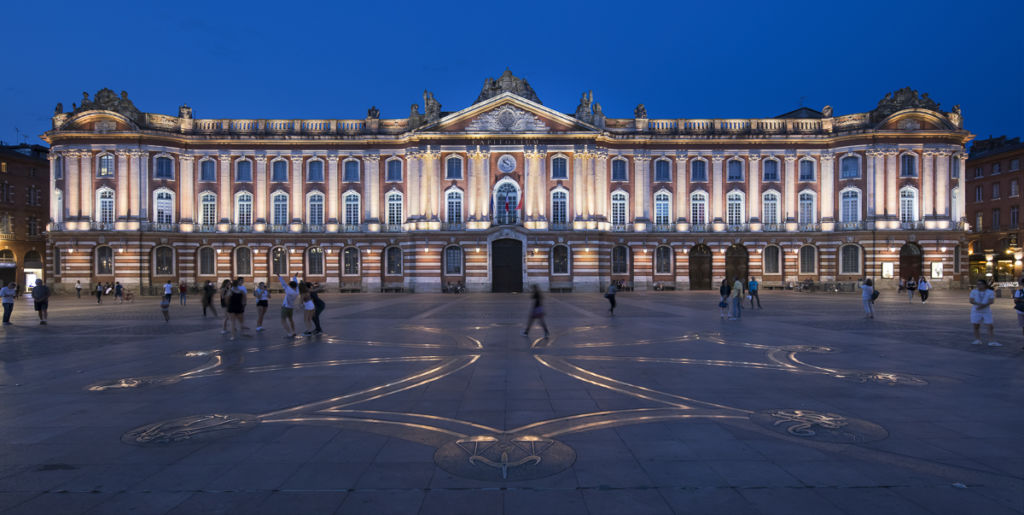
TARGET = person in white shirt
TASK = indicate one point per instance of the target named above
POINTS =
(982, 298)
(291, 296)
(923, 287)
(7, 295)
(168, 290)
(262, 302)
(867, 291)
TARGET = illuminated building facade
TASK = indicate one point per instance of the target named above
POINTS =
(506, 193)
(23, 213)
(993, 177)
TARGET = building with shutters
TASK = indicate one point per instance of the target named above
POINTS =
(24, 212)
(993, 177)
(507, 192)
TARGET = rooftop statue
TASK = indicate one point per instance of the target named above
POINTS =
(373, 113)
(107, 100)
(826, 111)
(901, 99)
(583, 110)
(640, 112)
(507, 83)
(432, 108)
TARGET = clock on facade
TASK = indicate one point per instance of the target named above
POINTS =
(506, 163)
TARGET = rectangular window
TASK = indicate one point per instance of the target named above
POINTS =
(661, 211)
(244, 172)
(908, 166)
(771, 260)
(996, 168)
(698, 213)
(956, 168)
(662, 171)
(279, 171)
(979, 194)
(699, 171)
(978, 217)
(771, 170)
(453, 261)
(618, 212)
(164, 168)
(806, 213)
(806, 170)
(558, 168)
(849, 168)
(316, 210)
(351, 210)
(1014, 216)
(978, 172)
(995, 190)
(394, 170)
(1014, 188)
(771, 210)
(208, 171)
(454, 169)
(996, 219)
(316, 171)
(351, 171)
(619, 170)
(1014, 165)
(735, 171)
(454, 208)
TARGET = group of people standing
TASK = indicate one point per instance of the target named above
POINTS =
(732, 294)
(234, 296)
(920, 285)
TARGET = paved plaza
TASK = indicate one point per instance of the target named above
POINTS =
(436, 404)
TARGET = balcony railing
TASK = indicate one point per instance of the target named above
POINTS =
(102, 226)
(559, 226)
(240, 228)
(314, 228)
(277, 227)
(205, 228)
(912, 225)
(850, 226)
(351, 228)
(621, 227)
(159, 226)
(773, 227)
(737, 228)
(445, 226)
(808, 227)
(663, 228)
(700, 228)
(392, 228)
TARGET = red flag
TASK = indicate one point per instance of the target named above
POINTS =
(506, 204)
(520, 206)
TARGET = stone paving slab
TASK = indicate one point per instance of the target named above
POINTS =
(436, 404)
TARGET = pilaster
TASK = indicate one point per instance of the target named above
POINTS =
(578, 185)
(601, 187)
(260, 192)
(332, 188)
(754, 189)
(225, 197)
(717, 187)
(122, 185)
(134, 183)
(186, 188)
(942, 184)
(430, 182)
(789, 196)
(892, 206)
(928, 184)
(73, 193)
(371, 176)
(682, 195)
(826, 198)
(87, 185)
(415, 193)
(296, 196)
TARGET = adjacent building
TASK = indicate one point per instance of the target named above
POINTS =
(993, 208)
(24, 213)
(505, 193)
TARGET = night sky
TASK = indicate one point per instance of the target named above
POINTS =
(711, 59)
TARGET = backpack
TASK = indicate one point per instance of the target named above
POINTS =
(874, 295)
(1018, 300)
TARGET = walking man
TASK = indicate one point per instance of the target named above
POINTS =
(182, 290)
(7, 295)
(119, 292)
(610, 295)
(752, 288)
(1018, 302)
(99, 293)
(41, 296)
(168, 290)
(737, 299)
(911, 286)
(982, 298)
(78, 288)
(923, 287)
(537, 313)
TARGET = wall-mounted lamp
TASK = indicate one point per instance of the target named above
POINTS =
(218, 251)
(943, 249)
(292, 250)
(796, 251)
(478, 250)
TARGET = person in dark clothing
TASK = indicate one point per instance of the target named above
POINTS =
(318, 305)
(725, 291)
(236, 307)
(209, 290)
(537, 313)
(610, 295)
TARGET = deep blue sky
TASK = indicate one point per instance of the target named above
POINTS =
(682, 59)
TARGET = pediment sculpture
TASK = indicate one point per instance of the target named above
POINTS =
(507, 83)
(107, 100)
(901, 99)
(507, 119)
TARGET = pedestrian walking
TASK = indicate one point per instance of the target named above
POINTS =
(537, 313)
(291, 296)
(236, 307)
(911, 288)
(923, 288)
(1018, 303)
(165, 308)
(99, 293)
(262, 295)
(209, 291)
(723, 304)
(182, 291)
(118, 292)
(7, 295)
(245, 301)
(318, 306)
(981, 298)
(610, 295)
(78, 288)
(225, 293)
(41, 296)
(737, 299)
(168, 289)
(867, 297)
(308, 308)
(752, 289)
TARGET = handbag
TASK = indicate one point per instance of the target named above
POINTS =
(722, 304)
(874, 295)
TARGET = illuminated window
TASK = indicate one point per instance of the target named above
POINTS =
(908, 205)
(453, 260)
(106, 166)
(164, 207)
(663, 260)
(698, 208)
(662, 201)
(315, 209)
(279, 209)
(105, 205)
(208, 208)
(454, 210)
(770, 208)
(279, 261)
(734, 208)
(620, 260)
(350, 261)
(850, 206)
(315, 261)
(395, 208)
(560, 260)
(104, 261)
(352, 208)
(618, 208)
(243, 209)
(559, 201)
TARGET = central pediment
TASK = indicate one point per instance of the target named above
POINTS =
(507, 113)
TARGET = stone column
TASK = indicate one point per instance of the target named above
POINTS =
(134, 183)
(260, 192)
(826, 197)
(717, 187)
(144, 162)
(332, 187)
(52, 157)
(414, 190)
(601, 184)
(941, 183)
(484, 184)
(754, 187)
(876, 183)
(927, 184)
(529, 173)
(87, 192)
(538, 175)
(225, 197)
(682, 195)
(371, 176)
(430, 181)
(71, 196)
(789, 196)
(593, 208)
(642, 164)
(961, 205)
(186, 188)
(892, 201)
(297, 197)
(123, 191)
(472, 170)
(578, 185)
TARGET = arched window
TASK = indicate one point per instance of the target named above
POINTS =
(163, 261)
(560, 168)
(33, 259)
(243, 208)
(208, 208)
(279, 170)
(806, 212)
(350, 261)
(453, 168)
(279, 261)
(808, 259)
(734, 208)
(770, 260)
(699, 170)
(619, 173)
(620, 260)
(105, 205)
(662, 171)
(105, 166)
(104, 260)
(7, 256)
(315, 261)
(663, 260)
(698, 208)
(243, 171)
(163, 207)
(207, 261)
(770, 208)
(806, 170)
(393, 261)
(849, 206)
(849, 167)
(908, 204)
(662, 202)
(560, 260)
(394, 208)
(315, 208)
(454, 211)
(394, 170)
(352, 208)
(506, 203)
(908, 165)
(849, 260)
(208, 170)
(771, 170)
(316, 171)
(618, 208)
(243, 261)
(164, 168)
(351, 170)
(559, 207)
(734, 171)
(453, 260)
(279, 208)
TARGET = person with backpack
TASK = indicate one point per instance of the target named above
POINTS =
(911, 288)
(868, 294)
(1018, 303)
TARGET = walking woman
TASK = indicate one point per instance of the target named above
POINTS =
(291, 296)
(923, 287)
(537, 313)
(262, 295)
(867, 298)
(308, 308)
(610, 295)
(225, 292)
(236, 307)
(209, 290)
(318, 306)
(911, 287)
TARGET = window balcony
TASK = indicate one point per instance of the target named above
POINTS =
(737, 227)
(158, 226)
(351, 228)
(277, 228)
(101, 226)
(392, 228)
(622, 227)
(560, 226)
(700, 228)
(314, 228)
(850, 226)
(809, 227)
(240, 228)
(773, 227)
(907, 226)
(205, 228)
(663, 228)
(445, 226)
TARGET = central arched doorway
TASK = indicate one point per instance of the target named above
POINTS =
(736, 260)
(700, 267)
(911, 261)
(507, 265)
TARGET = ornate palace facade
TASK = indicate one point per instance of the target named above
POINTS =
(506, 193)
